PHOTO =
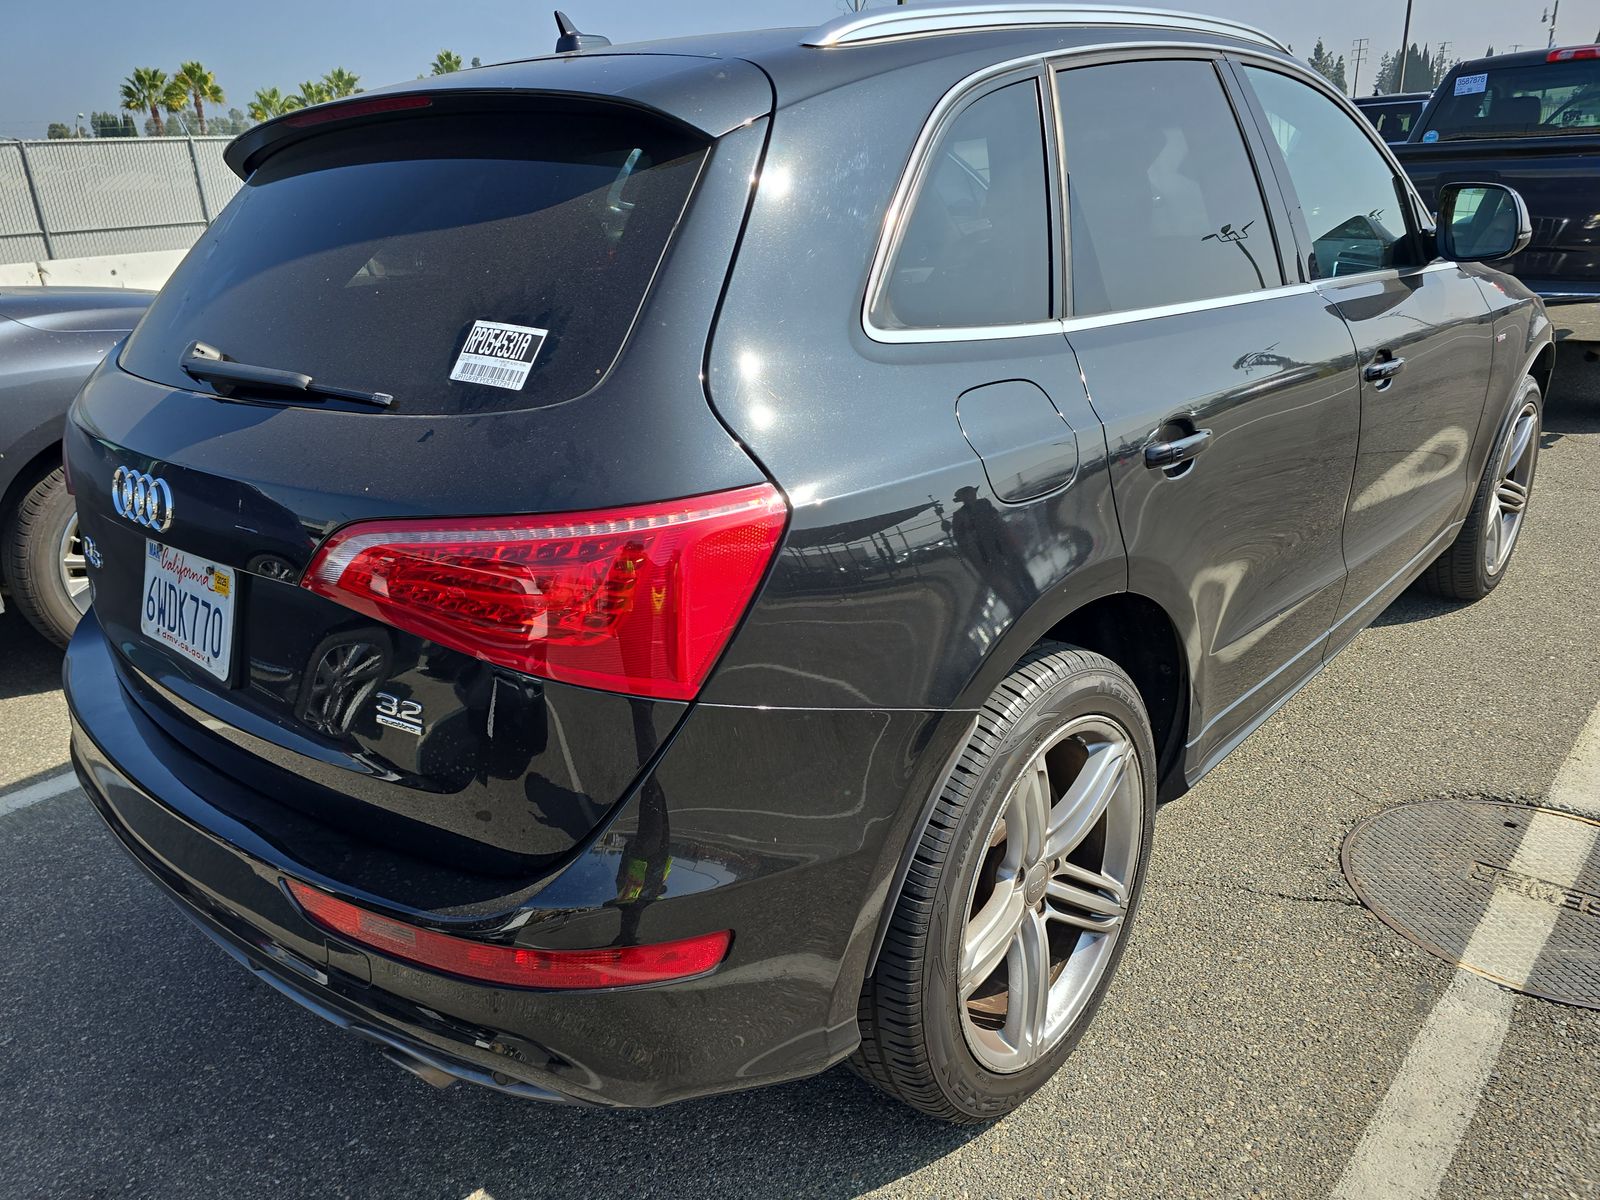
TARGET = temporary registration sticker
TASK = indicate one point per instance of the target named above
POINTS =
(498, 355)
(1471, 85)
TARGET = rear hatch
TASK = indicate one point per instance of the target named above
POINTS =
(1532, 124)
(479, 286)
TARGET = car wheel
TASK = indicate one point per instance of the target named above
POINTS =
(1016, 908)
(44, 559)
(1476, 561)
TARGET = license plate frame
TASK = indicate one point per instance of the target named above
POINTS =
(188, 606)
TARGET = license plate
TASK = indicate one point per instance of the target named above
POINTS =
(188, 607)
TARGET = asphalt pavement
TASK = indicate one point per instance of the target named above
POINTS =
(1259, 1020)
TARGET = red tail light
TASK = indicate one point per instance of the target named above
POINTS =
(512, 966)
(639, 600)
(1568, 53)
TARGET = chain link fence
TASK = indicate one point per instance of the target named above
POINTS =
(75, 198)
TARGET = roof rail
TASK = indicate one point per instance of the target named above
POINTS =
(929, 20)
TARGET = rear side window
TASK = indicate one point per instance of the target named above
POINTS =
(1162, 200)
(1393, 121)
(1532, 101)
(975, 247)
(510, 250)
(1347, 191)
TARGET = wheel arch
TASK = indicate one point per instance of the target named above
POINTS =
(1130, 629)
(22, 481)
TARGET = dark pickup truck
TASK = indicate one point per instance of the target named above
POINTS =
(1530, 121)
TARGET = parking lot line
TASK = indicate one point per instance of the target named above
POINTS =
(44, 789)
(1412, 1138)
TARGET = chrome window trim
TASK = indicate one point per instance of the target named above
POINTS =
(933, 20)
(1156, 312)
(957, 95)
(1306, 75)
(953, 99)
(969, 90)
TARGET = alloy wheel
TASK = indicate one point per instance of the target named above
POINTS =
(1050, 897)
(74, 566)
(1510, 499)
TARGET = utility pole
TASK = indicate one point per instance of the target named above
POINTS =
(1438, 72)
(1550, 15)
(1405, 43)
(1358, 54)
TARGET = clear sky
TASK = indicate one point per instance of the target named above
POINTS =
(61, 58)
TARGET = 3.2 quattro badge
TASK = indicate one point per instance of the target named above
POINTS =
(143, 499)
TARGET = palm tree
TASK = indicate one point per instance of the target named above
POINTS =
(446, 62)
(147, 88)
(176, 101)
(340, 82)
(313, 91)
(201, 85)
(268, 103)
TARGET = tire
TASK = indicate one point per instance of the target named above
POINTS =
(1475, 563)
(33, 540)
(1059, 716)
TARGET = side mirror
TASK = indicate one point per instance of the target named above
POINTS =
(1482, 222)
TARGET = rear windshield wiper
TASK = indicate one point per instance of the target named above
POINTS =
(202, 361)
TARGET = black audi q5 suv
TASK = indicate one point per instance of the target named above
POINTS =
(661, 569)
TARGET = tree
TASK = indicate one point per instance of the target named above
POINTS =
(1327, 66)
(147, 88)
(200, 85)
(231, 125)
(269, 103)
(446, 62)
(176, 101)
(1419, 72)
(107, 124)
(340, 82)
(57, 131)
(312, 91)
(476, 62)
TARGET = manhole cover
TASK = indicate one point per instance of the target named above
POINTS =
(1506, 890)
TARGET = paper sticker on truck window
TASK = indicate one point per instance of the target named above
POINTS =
(498, 355)
(1471, 85)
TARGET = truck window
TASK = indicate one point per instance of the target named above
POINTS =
(1537, 100)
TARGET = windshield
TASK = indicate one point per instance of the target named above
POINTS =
(1538, 100)
(460, 263)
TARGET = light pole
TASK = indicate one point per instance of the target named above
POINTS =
(1405, 44)
(80, 124)
(1358, 54)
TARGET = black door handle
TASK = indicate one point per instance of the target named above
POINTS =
(1180, 450)
(1384, 370)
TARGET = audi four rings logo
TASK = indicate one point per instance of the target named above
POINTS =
(144, 499)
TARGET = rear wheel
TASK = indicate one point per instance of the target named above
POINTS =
(1476, 561)
(1013, 916)
(44, 562)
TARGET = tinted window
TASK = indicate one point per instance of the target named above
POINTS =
(1392, 121)
(1347, 191)
(365, 258)
(976, 247)
(1532, 101)
(1163, 203)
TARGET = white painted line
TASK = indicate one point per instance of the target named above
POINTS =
(45, 789)
(1412, 1138)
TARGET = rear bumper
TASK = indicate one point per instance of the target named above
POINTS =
(803, 909)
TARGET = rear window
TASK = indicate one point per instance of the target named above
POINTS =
(1532, 101)
(461, 263)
